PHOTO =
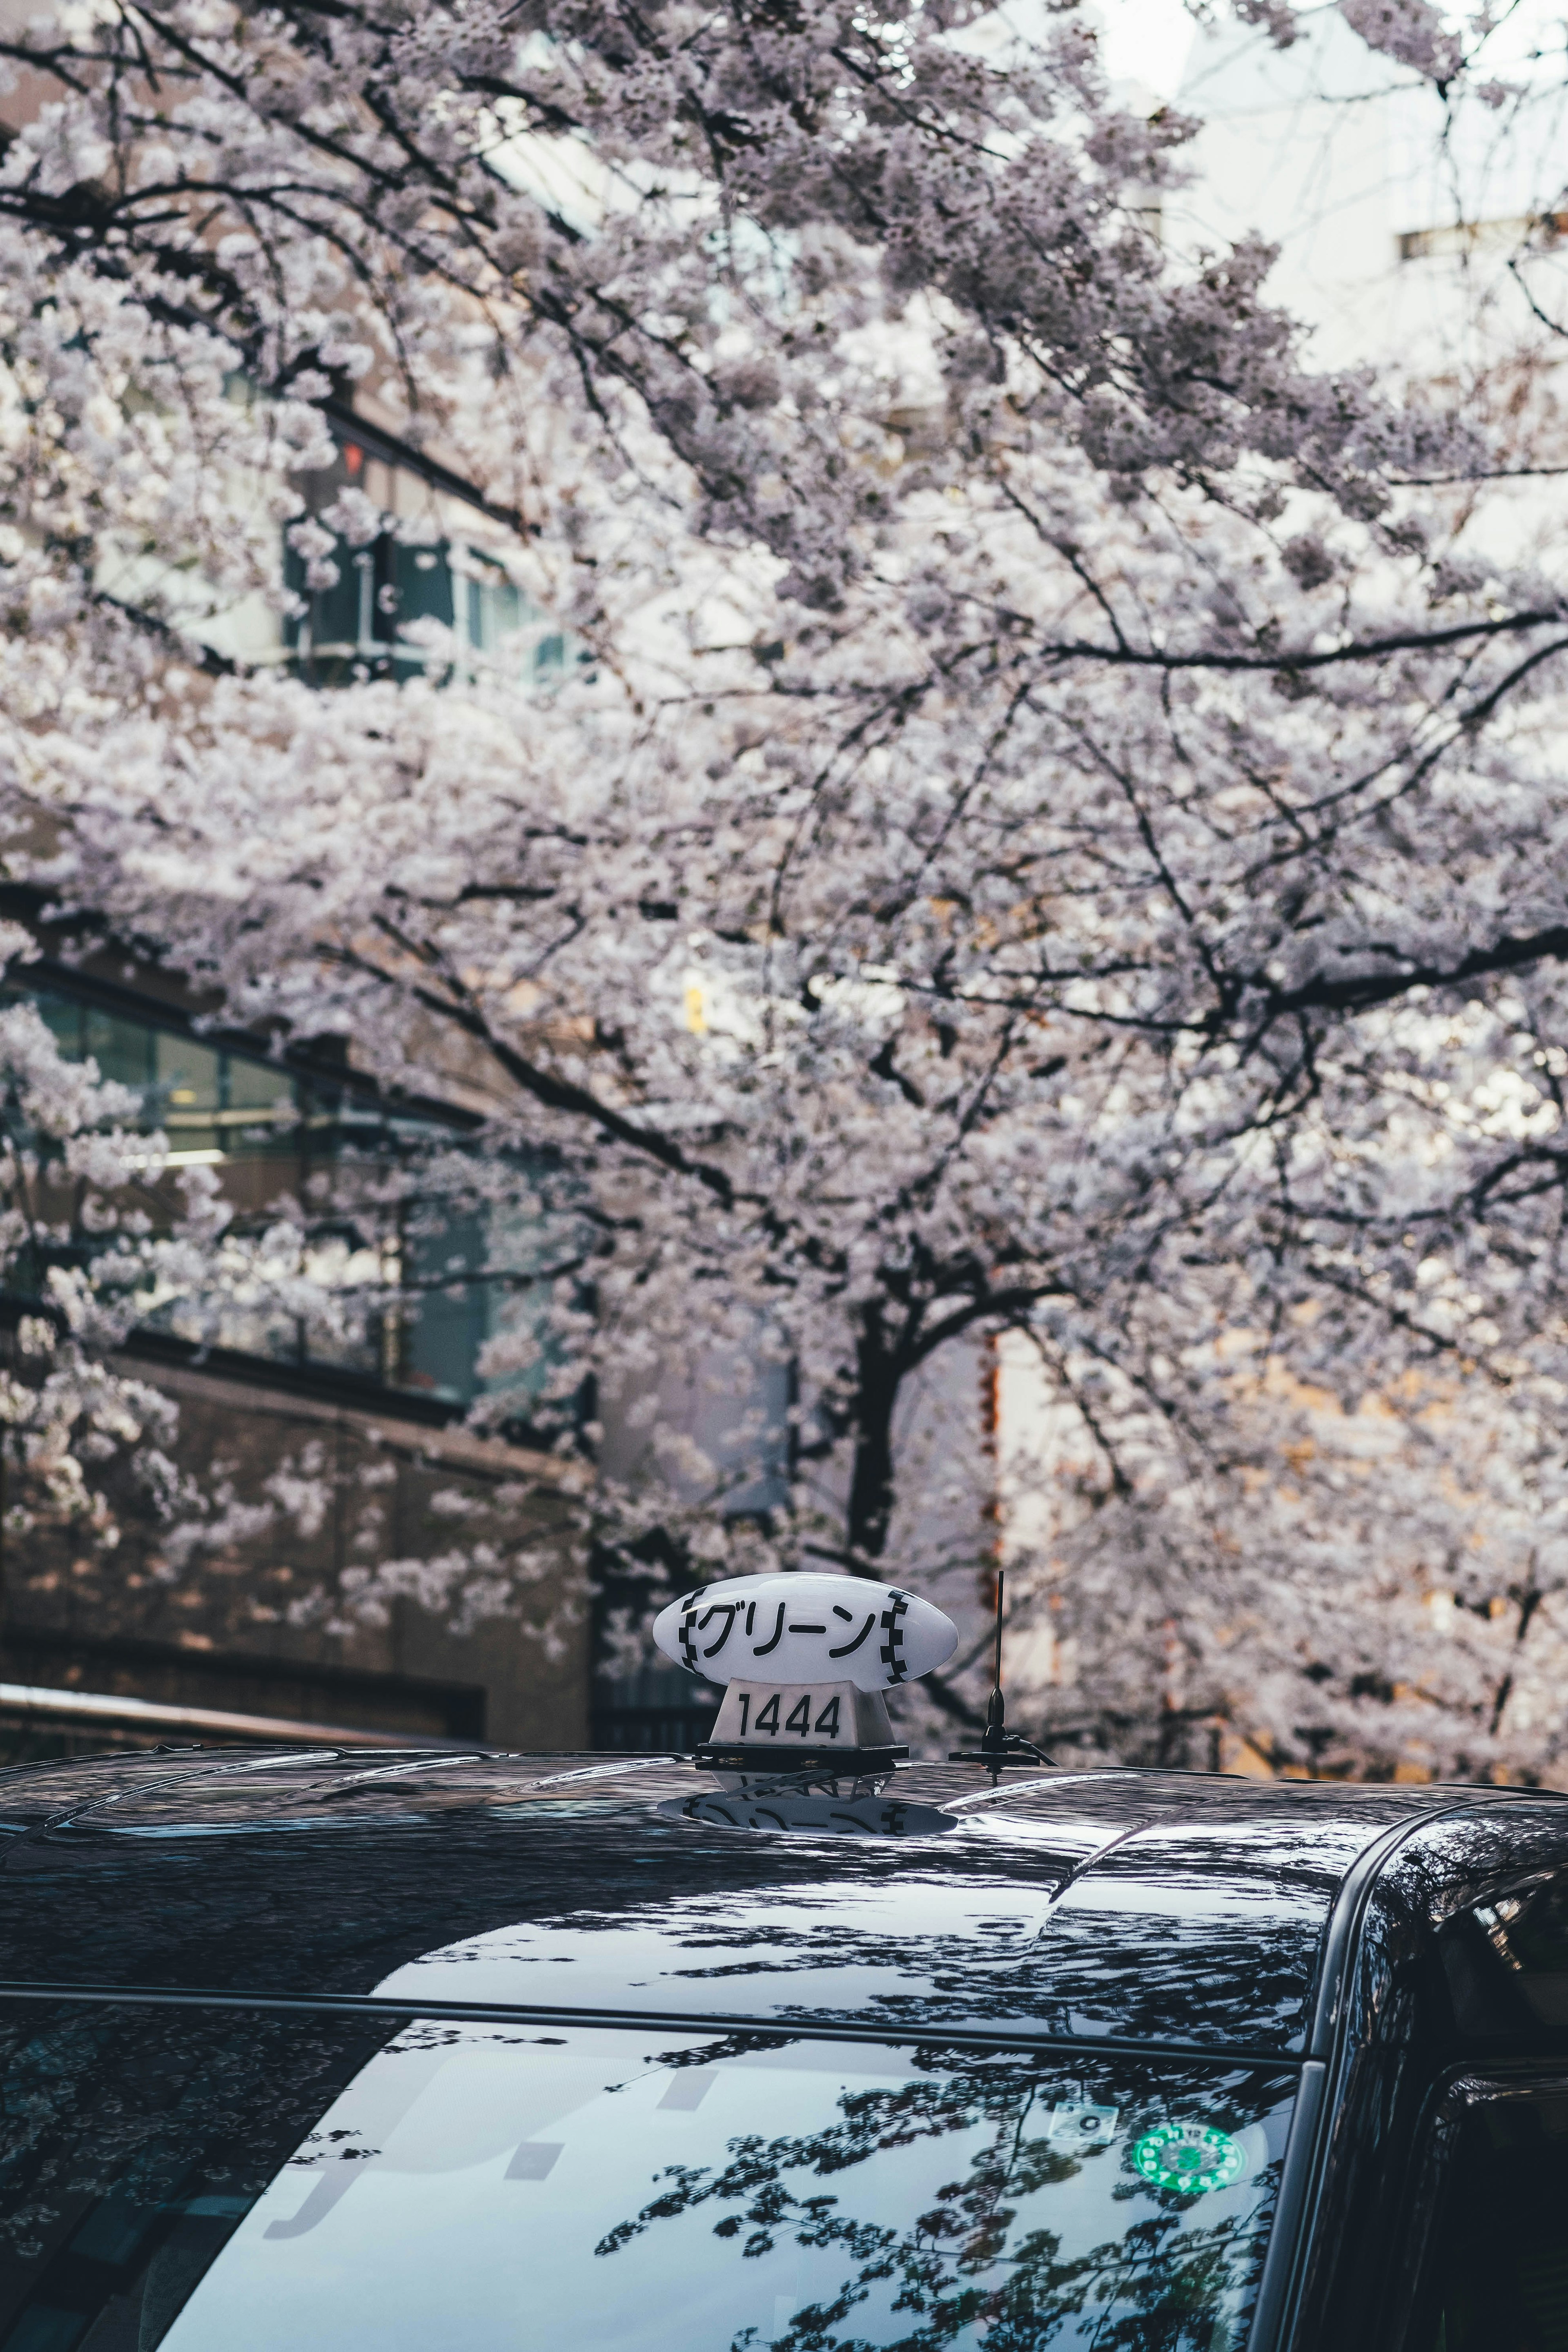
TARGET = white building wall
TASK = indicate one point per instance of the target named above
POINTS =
(1342, 160)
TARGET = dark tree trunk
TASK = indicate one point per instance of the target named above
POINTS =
(871, 1479)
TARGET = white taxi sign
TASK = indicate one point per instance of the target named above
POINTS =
(806, 1630)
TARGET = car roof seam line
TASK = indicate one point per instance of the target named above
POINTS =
(689, 2022)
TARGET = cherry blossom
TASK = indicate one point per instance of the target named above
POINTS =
(1051, 833)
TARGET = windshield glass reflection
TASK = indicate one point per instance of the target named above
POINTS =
(478, 2186)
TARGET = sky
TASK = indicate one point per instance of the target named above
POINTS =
(1145, 41)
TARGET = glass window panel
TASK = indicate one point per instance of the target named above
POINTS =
(1502, 2284)
(331, 618)
(382, 589)
(124, 1050)
(445, 1322)
(63, 1020)
(498, 611)
(254, 1084)
(279, 2186)
(517, 1314)
(187, 1075)
(423, 580)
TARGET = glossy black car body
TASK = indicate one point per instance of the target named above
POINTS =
(1403, 1952)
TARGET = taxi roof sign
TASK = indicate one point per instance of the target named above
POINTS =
(805, 1629)
(808, 1658)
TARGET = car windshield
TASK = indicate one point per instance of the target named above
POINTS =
(229, 2181)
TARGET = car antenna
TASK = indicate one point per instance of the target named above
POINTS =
(998, 1746)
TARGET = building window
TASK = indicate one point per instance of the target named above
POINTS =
(421, 569)
(453, 1281)
(384, 591)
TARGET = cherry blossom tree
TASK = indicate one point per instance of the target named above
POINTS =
(90, 1251)
(1052, 827)
(104, 1238)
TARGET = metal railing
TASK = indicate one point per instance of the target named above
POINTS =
(31, 1704)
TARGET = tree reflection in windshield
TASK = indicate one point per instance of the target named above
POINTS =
(976, 2266)
(225, 2180)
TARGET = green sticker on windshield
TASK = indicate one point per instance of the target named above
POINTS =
(1190, 2157)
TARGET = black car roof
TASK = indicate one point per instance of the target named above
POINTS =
(1108, 1906)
